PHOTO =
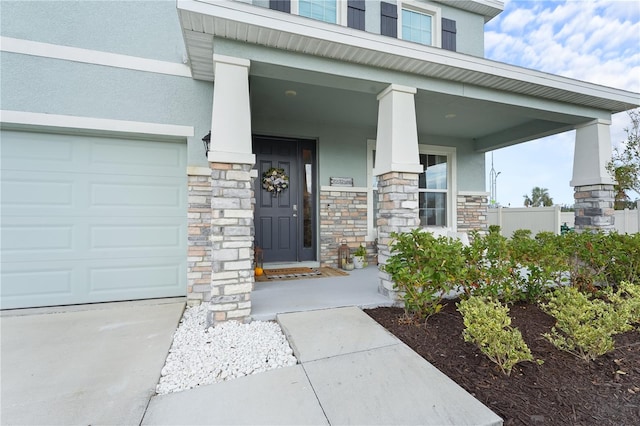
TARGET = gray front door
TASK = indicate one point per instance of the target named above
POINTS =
(285, 222)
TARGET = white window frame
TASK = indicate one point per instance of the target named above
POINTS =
(372, 229)
(426, 9)
(341, 11)
(451, 191)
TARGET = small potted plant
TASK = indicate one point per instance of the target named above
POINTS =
(360, 257)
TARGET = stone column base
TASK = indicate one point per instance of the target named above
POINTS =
(594, 208)
(398, 212)
(232, 232)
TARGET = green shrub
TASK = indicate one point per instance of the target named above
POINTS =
(584, 327)
(516, 269)
(424, 270)
(488, 325)
(490, 270)
(626, 301)
(599, 259)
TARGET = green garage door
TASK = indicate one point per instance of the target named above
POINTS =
(91, 219)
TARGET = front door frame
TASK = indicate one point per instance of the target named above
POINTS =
(306, 250)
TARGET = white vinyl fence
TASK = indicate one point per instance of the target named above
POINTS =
(550, 219)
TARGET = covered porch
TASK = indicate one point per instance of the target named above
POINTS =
(378, 111)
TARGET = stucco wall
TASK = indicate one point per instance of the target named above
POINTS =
(148, 29)
(142, 29)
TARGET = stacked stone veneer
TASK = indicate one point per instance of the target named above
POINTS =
(199, 232)
(472, 212)
(232, 235)
(343, 216)
(398, 212)
(594, 208)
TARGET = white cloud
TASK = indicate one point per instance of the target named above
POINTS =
(595, 41)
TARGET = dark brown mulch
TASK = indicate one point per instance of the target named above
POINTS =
(564, 390)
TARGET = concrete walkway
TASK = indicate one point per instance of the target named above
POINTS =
(90, 364)
(351, 372)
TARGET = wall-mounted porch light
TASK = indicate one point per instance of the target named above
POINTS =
(206, 140)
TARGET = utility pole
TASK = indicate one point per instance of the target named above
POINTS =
(493, 178)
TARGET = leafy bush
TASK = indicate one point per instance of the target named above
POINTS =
(490, 270)
(424, 270)
(584, 327)
(597, 259)
(488, 325)
(626, 301)
(521, 268)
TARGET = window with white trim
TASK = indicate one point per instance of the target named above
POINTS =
(419, 23)
(436, 186)
(331, 11)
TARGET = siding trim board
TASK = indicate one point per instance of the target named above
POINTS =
(55, 122)
(94, 57)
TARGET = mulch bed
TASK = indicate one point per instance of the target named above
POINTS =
(564, 390)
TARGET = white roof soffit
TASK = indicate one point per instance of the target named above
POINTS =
(202, 20)
(488, 8)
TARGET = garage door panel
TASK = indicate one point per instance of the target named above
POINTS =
(136, 158)
(37, 286)
(162, 275)
(136, 195)
(25, 239)
(147, 237)
(36, 237)
(98, 280)
(44, 152)
(23, 192)
(53, 193)
(88, 219)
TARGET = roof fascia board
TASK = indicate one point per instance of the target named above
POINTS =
(488, 8)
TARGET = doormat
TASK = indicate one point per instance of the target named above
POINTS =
(299, 273)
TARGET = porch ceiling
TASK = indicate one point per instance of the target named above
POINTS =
(348, 102)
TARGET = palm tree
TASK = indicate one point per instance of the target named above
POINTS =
(539, 197)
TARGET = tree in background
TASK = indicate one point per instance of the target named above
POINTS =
(539, 197)
(624, 166)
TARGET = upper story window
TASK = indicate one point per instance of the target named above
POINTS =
(331, 11)
(417, 27)
(322, 10)
(411, 21)
(419, 23)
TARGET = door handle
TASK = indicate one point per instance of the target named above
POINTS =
(295, 210)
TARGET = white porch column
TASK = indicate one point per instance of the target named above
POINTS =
(398, 166)
(231, 113)
(232, 198)
(397, 139)
(593, 186)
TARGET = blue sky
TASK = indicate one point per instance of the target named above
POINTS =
(590, 40)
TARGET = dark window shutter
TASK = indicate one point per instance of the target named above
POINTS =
(448, 34)
(355, 14)
(389, 19)
(281, 5)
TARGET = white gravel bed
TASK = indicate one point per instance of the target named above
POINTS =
(200, 356)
